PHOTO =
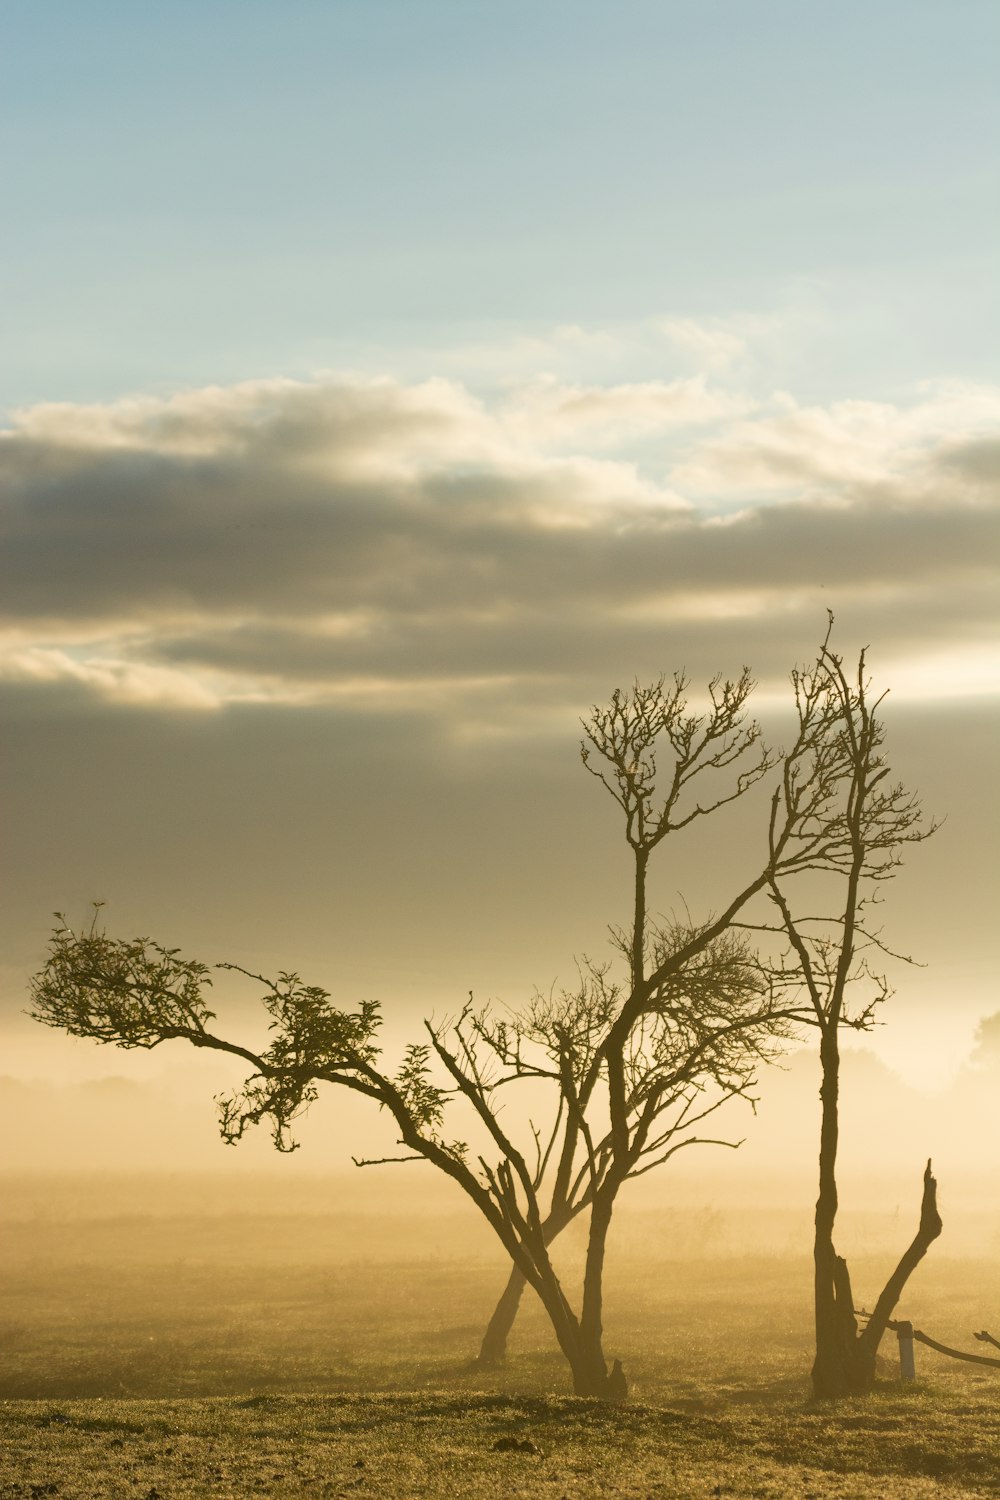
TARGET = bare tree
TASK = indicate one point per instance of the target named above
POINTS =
(836, 818)
(696, 1049)
(699, 1049)
(849, 826)
(623, 741)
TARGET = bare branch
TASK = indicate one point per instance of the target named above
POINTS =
(383, 1161)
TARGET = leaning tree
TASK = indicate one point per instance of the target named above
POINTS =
(692, 1050)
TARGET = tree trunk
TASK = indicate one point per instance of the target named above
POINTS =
(493, 1349)
(841, 1367)
(845, 1360)
(639, 918)
(590, 1369)
(836, 1326)
(590, 1374)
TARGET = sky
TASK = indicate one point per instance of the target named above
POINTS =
(386, 382)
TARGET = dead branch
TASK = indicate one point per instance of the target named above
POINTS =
(929, 1228)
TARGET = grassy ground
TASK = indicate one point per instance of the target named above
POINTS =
(166, 1356)
(925, 1443)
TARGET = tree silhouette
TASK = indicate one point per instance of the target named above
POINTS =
(850, 825)
(721, 749)
(690, 1054)
(629, 1062)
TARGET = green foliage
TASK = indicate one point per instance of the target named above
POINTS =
(133, 993)
(137, 993)
(309, 1030)
(311, 1039)
(280, 1100)
(423, 1099)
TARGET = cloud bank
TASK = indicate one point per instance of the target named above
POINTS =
(366, 541)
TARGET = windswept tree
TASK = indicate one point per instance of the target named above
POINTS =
(694, 1051)
(620, 1100)
(631, 1061)
(850, 825)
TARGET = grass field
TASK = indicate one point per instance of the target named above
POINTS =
(166, 1354)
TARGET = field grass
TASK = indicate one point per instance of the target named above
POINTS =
(168, 1355)
(926, 1443)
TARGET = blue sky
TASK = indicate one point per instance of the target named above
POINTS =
(212, 191)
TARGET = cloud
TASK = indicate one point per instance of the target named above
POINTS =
(353, 426)
(849, 446)
(711, 344)
(366, 541)
(549, 412)
(140, 684)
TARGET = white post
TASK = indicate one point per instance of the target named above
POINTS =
(907, 1367)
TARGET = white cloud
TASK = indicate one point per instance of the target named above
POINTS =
(139, 684)
(970, 671)
(378, 429)
(835, 449)
(711, 345)
(367, 541)
(359, 419)
(190, 422)
(549, 413)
